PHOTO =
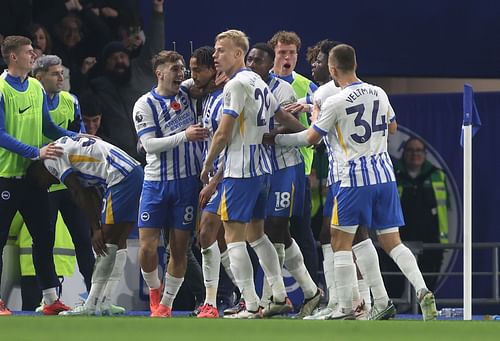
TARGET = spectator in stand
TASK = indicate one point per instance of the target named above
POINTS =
(79, 39)
(424, 200)
(125, 80)
(42, 44)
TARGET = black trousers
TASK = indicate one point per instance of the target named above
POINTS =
(79, 229)
(300, 229)
(33, 204)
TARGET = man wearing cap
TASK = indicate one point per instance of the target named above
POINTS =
(125, 80)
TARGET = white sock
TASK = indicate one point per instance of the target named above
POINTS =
(408, 264)
(102, 270)
(172, 286)
(328, 272)
(151, 279)
(267, 292)
(343, 268)
(114, 278)
(268, 259)
(364, 291)
(49, 296)
(355, 289)
(368, 265)
(224, 260)
(241, 267)
(294, 262)
(211, 266)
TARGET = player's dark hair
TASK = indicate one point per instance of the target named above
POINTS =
(90, 105)
(264, 47)
(204, 56)
(413, 138)
(326, 45)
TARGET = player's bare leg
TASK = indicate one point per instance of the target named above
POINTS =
(149, 239)
(404, 258)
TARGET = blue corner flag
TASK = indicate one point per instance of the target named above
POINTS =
(471, 115)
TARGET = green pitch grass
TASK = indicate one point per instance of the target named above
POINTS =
(53, 328)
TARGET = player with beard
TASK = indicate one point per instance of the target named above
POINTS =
(125, 80)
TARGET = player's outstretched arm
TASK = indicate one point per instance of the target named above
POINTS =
(288, 121)
(304, 138)
(154, 144)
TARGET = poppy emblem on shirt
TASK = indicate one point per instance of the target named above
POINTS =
(175, 105)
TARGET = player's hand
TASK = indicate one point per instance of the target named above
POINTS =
(196, 132)
(268, 138)
(50, 151)
(220, 78)
(205, 195)
(315, 113)
(98, 243)
(87, 64)
(204, 173)
(294, 108)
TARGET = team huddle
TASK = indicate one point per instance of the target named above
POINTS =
(250, 148)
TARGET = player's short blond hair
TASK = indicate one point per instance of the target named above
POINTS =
(343, 57)
(238, 38)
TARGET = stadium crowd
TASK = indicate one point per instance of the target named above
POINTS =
(229, 157)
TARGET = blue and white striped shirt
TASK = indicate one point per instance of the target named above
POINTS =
(95, 162)
(355, 123)
(158, 116)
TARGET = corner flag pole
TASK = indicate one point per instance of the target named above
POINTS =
(467, 144)
(468, 222)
